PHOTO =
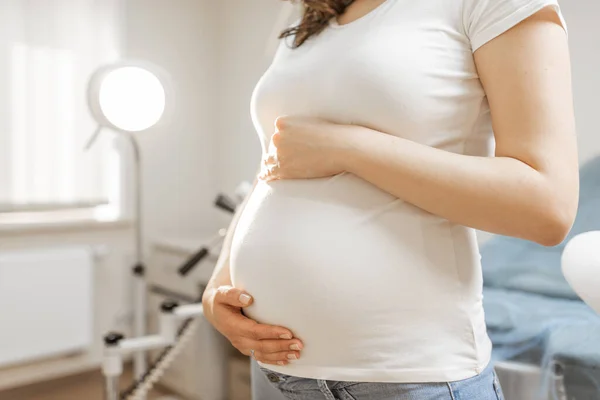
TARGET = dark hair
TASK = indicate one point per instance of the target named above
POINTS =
(315, 17)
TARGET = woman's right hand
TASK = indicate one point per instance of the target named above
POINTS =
(271, 344)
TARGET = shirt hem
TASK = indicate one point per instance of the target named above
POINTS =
(403, 375)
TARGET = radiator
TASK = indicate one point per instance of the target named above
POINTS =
(46, 303)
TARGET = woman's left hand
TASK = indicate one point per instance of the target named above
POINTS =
(303, 148)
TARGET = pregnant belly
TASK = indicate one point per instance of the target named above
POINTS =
(338, 257)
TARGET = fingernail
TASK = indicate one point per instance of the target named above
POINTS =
(280, 363)
(285, 336)
(292, 357)
(295, 347)
(245, 299)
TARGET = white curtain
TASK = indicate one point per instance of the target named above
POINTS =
(48, 50)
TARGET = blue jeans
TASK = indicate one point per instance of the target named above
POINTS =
(484, 386)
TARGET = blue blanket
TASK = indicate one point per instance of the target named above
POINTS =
(532, 313)
(517, 264)
(543, 331)
(532, 327)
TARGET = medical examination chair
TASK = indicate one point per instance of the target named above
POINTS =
(546, 340)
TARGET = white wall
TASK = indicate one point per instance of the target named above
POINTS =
(250, 23)
(179, 159)
(245, 39)
(584, 36)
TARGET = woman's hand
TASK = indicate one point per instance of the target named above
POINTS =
(303, 148)
(271, 344)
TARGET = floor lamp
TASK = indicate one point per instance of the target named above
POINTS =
(130, 98)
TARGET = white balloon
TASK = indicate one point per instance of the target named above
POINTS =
(581, 267)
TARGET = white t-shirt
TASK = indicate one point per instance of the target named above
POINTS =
(378, 289)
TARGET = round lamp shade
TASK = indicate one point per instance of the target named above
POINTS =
(127, 97)
(581, 267)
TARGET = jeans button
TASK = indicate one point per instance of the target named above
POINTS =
(273, 378)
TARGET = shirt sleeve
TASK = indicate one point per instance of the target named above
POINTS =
(487, 19)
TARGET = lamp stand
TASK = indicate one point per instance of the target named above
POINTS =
(138, 269)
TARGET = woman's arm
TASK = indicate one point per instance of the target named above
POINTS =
(222, 304)
(529, 190)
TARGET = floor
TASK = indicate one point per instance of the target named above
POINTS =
(88, 386)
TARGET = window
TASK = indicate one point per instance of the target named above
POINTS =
(48, 50)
